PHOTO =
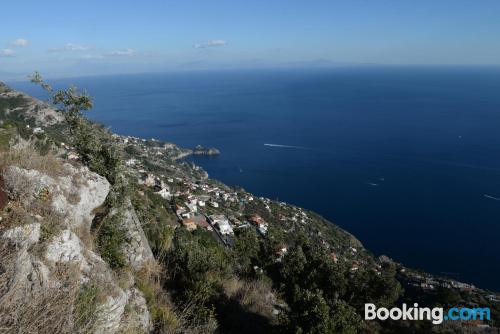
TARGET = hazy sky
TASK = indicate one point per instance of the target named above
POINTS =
(63, 37)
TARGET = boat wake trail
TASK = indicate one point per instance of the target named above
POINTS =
(288, 146)
(491, 197)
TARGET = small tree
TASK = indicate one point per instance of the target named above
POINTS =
(70, 103)
(198, 266)
(312, 313)
(93, 143)
(246, 248)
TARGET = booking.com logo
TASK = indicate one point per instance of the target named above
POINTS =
(436, 315)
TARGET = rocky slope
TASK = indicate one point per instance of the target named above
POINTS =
(46, 247)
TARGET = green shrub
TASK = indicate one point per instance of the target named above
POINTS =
(158, 220)
(199, 266)
(162, 315)
(86, 307)
(110, 237)
(92, 142)
(5, 137)
(97, 150)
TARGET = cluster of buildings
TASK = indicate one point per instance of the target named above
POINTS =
(259, 223)
(155, 183)
(198, 201)
(428, 282)
(206, 204)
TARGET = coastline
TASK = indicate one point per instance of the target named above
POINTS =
(156, 153)
(414, 278)
(179, 196)
(424, 170)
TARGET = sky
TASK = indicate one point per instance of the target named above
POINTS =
(72, 38)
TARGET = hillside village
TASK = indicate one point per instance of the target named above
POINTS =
(207, 204)
(200, 202)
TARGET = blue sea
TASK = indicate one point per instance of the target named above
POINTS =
(405, 158)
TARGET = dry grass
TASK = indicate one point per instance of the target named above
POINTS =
(19, 186)
(168, 318)
(51, 222)
(256, 296)
(27, 196)
(29, 158)
(85, 235)
(73, 196)
(14, 215)
(29, 309)
(150, 284)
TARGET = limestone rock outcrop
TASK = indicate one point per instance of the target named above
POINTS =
(38, 259)
(74, 193)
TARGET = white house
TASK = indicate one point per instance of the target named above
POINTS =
(164, 193)
(187, 215)
(225, 228)
(131, 162)
(263, 228)
(192, 207)
(222, 224)
(149, 180)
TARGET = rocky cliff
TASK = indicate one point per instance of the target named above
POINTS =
(47, 253)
